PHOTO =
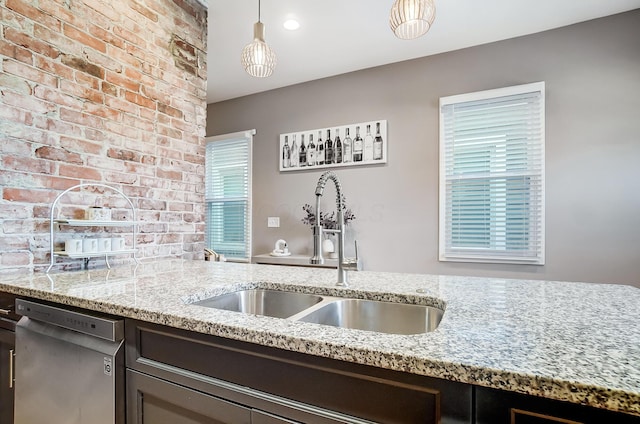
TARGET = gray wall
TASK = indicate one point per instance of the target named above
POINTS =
(592, 75)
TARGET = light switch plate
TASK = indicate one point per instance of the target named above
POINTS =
(273, 222)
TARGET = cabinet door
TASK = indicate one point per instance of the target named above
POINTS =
(151, 400)
(7, 346)
(500, 407)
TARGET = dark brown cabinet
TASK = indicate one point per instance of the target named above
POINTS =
(8, 320)
(7, 349)
(501, 407)
(283, 386)
(154, 401)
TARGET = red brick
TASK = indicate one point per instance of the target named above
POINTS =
(106, 36)
(104, 164)
(141, 53)
(31, 43)
(16, 115)
(58, 127)
(26, 164)
(14, 83)
(128, 36)
(79, 172)
(168, 110)
(54, 96)
(84, 38)
(121, 178)
(136, 168)
(82, 65)
(94, 134)
(26, 9)
(27, 102)
(163, 119)
(140, 100)
(111, 89)
(180, 206)
(133, 74)
(103, 9)
(15, 258)
(102, 111)
(78, 90)
(123, 82)
(56, 183)
(63, 107)
(58, 155)
(122, 105)
(122, 154)
(15, 211)
(15, 146)
(137, 122)
(18, 226)
(147, 13)
(80, 118)
(14, 243)
(13, 19)
(28, 72)
(148, 114)
(169, 174)
(89, 81)
(55, 38)
(169, 132)
(62, 13)
(124, 130)
(167, 153)
(53, 67)
(78, 145)
(28, 195)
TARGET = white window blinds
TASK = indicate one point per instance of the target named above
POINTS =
(492, 176)
(228, 195)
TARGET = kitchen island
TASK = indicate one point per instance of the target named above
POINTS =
(573, 342)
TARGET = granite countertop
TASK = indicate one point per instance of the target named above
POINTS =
(575, 342)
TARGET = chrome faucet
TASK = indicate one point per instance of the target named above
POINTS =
(344, 264)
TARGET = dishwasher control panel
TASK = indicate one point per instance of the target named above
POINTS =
(86, 323)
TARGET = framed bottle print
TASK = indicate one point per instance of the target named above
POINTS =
(364, 143)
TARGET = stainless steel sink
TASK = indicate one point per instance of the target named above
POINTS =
(371, 315)
(273, 303)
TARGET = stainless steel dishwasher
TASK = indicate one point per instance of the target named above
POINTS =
(69, 366)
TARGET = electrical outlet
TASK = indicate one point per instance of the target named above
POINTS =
(273, 222)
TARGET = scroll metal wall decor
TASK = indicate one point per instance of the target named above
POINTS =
(364, 143)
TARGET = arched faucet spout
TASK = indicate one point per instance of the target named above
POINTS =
(344, 264)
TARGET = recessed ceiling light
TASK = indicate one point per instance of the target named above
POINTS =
(291, 24)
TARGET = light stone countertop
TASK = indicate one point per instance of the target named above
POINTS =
(576, 342)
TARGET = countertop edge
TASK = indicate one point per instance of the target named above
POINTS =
(529, 384)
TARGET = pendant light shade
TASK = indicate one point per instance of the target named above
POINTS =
(411, 18)
(257, 57)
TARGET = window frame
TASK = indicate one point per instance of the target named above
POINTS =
(493, 254)
(244, 136)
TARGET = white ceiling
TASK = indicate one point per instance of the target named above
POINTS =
(339, 36)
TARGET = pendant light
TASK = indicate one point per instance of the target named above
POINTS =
(411, 18)
(257, 57)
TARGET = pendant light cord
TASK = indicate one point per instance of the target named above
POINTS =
(258, 10)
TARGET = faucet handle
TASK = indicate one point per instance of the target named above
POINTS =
(353, 264)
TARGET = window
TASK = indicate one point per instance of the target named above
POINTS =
(228, 194)
(492, 176)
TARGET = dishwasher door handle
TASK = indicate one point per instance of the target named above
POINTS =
(12, 354)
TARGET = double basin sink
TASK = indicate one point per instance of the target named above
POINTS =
(361, 314)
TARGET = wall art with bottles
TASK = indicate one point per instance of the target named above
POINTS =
(363, 143)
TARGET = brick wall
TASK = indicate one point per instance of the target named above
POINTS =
(101, 91)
